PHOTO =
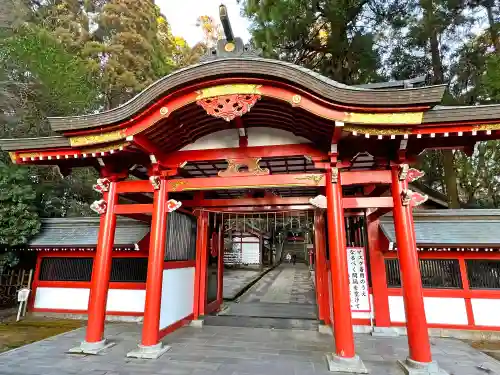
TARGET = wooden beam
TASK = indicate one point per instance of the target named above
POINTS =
(121, 209)
(368, 202)
(138, 186)
(302, 149)
(147, 146)
(378, 213)
(365, 177)
(247, 182)
(251, 202)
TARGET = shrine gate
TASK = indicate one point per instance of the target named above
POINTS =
(240, 133)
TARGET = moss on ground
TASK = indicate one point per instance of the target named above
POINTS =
(15, 334)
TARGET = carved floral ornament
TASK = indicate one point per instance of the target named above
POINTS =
(412, 197)
(228, 107)
(102, 185)
(234, 168)
(409, 174)
(155, 181)
(99, 206)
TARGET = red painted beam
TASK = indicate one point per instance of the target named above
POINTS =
(247, 182)
(147, 146)
(138, 186)
(303, 149)
(254, 202)
(273, 202)
(298, 207)
(365, 177)
(121, 209)
(367, 202)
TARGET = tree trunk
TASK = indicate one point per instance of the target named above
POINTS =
(493, 25)
(450, 179)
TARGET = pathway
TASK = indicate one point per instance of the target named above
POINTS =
(238, 278)
(285, 292)
(230, 351)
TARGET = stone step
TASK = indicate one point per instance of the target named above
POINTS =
(261, 322)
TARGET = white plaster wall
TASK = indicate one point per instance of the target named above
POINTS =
(126, 300)
(272, 137)
(177, 295)
(437, 310)
(228, 138)
(259, 136)
(62, 298)
(486, 311)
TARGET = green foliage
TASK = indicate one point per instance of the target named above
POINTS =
(19, 220)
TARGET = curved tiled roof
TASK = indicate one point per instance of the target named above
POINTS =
(255, 68)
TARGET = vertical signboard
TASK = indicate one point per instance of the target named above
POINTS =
(358, 279)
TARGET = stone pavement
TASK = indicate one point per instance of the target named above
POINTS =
(230, 351)
(285, 292)
(236, 279)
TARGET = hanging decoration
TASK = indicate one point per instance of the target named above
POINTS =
(99, 206)
(102, 185)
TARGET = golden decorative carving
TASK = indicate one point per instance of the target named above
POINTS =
(13, 157)
(163, 111)
(228, 90)
(92, 139)
(229, 47)
(176, 184)
(316, 178)
(412, 118)
(234, 167)
(228, 107)
(296, 99)
(107, 148)
(486, 127)
(376, 131)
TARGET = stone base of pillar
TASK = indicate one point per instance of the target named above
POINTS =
(93, 348)
(346, 365)
(385, 332)
(325, 329)
(411, 367)
(149, 352)
(197, 323)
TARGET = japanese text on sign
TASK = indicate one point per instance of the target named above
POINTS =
(358, 279)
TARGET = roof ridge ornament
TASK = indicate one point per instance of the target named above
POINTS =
(231, 46)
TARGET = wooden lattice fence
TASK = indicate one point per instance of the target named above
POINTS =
(10, 282)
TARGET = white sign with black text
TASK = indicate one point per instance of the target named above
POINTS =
(358, 279)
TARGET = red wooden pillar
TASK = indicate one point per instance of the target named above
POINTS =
(320, 267)
(151, 347)
(418, 336)
(200, 293)
(345, 358)
(220, 265)
(157, 244)
(344, 337)
(379, 277)
(101, 272)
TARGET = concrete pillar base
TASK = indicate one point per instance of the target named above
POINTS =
(92, 348)
(411, 367)
(325, 329)
(197, 323)
(149, 352)
(346, 365)
(385, 332)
